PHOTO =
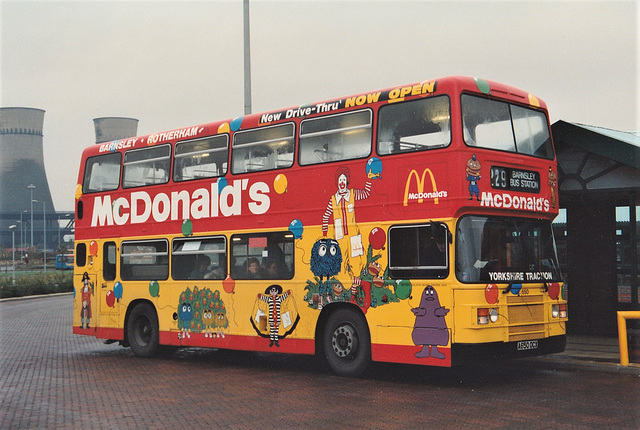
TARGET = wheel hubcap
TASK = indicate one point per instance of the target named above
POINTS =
(143, 331)
(344, 341)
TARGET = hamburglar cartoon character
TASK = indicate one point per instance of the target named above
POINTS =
(553, 185)
(473, 176)
(273, 297)
(85, 313)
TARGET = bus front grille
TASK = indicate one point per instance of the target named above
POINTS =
(526, 314)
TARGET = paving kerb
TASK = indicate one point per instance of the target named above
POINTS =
(555, 361)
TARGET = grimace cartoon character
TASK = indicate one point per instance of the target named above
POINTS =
(473, 176)
(326, 260)
(430, 328)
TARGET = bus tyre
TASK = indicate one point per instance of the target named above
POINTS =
(142, 330)
(346, 343)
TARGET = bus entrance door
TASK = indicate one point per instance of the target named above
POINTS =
(110, 289)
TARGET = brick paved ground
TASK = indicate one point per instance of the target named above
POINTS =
(53, 379)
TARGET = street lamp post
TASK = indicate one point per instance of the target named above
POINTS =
(20, 222)
(22, 234)
(247, 57)
(31, 188)
(13, 258)
(44, 247)
(44, 226)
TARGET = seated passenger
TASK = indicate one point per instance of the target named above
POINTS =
(272, 270)
(201, 271)
(277, 269)
(254, 269)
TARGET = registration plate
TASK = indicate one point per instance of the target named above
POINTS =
(527, 344)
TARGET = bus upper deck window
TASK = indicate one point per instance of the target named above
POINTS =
(336, 137)
(264, 148)
(532, 132)
(147, 166)
(102, 173)
(201, 158)
(416, 125)
(505, 127)
(487, 123)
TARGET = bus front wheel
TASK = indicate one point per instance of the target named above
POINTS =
(346, 343)
(142, 330)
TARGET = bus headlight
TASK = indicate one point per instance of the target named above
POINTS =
(493, 315)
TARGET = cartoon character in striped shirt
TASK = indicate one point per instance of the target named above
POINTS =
(342, 207)
(273, 297)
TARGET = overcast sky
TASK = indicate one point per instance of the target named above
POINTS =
(177, 63)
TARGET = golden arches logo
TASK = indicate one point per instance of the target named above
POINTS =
(420, 183)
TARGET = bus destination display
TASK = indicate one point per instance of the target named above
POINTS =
(506, 178)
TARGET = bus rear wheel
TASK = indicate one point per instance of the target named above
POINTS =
(347, 343)
(142, 330)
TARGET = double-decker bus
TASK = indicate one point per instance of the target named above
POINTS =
(408, 225)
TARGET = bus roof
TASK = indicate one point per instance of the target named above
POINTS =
(451, 84)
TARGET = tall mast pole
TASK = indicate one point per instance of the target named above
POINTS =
(247, 59)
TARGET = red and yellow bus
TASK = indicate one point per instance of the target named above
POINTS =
(408, 225)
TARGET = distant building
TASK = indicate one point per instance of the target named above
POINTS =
(22, 166)
(23, 176)
(114, 128)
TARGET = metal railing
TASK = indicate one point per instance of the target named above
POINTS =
(623, 316)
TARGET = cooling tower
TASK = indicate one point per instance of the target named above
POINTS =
(21, 165)
(114, 128)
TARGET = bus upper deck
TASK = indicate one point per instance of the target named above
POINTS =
(250, 161)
